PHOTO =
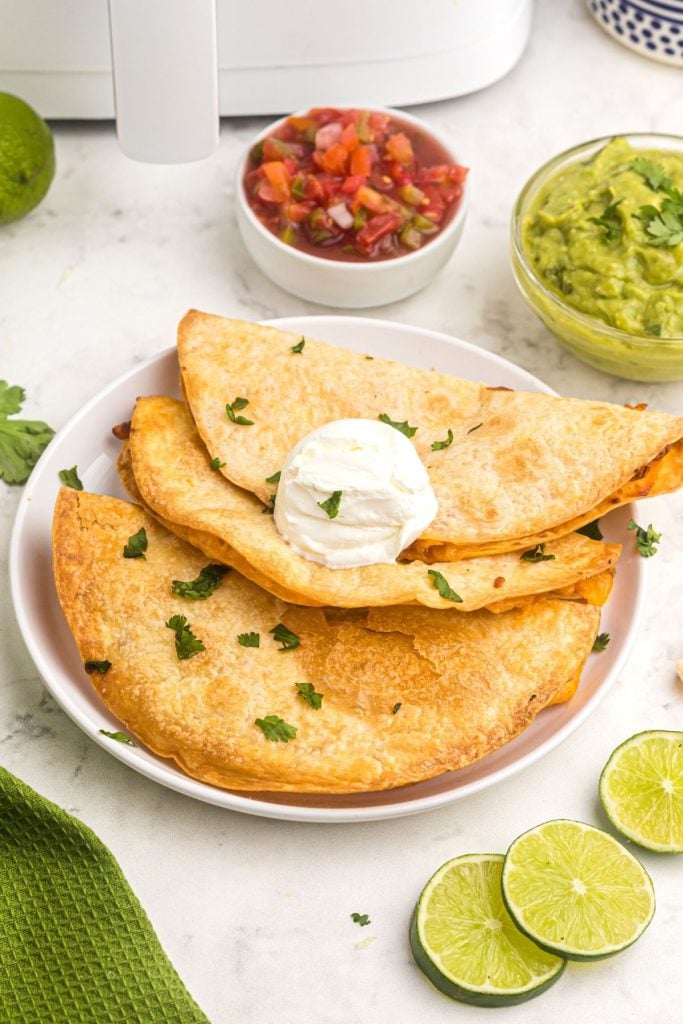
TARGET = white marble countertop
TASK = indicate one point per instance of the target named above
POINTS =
(255, 913)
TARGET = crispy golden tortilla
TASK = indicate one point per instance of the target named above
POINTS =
(465, 684)
(536, 466)
(172, 477)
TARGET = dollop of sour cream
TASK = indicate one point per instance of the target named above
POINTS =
(386, 498)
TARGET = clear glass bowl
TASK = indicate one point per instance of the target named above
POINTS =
(606, 348)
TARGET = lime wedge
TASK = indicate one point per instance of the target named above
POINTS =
(641, 788)
(576, 891)
(464, 941)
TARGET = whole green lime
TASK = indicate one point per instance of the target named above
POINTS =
(27, 158)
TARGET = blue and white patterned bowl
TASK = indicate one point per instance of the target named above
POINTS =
(651, 28)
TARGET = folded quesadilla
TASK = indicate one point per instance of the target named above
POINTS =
(167, 468)
(522, 468)
(245, 691)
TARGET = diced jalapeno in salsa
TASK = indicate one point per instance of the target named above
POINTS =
(352, 184)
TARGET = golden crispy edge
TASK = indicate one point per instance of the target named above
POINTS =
(662, 476)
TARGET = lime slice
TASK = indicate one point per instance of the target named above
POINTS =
(641, 788)
(464, 941)
(576, 891)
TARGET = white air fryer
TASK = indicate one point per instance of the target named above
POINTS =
(166, 69)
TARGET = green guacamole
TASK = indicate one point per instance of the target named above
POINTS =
(594, 236)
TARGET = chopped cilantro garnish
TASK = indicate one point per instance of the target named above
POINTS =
(298, 348)
(249, 639)
(442, 585)
(285, 637)
(70, 478)
(472, 429)
(209, 579)
(536, 555)
(137, 545)
(216, 463)
(403, 426)
(610, 221)
(275, 728)
(270, 508)
(186, 643)
(121, 737)
(234, 407)
(275, 478)
(664, 226)
(396, 707)
(331, 505)
(361, 919)
(601, 641)
(654, 174)
(438, 445)
(591, 530)
(308, 693)
(102, 667)
(646, 540)
(21, 441)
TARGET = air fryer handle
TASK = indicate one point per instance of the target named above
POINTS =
(165, 78)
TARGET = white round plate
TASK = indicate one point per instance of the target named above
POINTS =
(87, 441)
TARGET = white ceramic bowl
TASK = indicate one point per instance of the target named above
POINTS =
(339, 283)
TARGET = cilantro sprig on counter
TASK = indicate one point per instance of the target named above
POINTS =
(361, 919)
(21, 441)
(209, 579)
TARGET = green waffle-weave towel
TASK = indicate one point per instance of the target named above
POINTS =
(76, 947)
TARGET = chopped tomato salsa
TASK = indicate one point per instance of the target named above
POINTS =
(352, 184)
